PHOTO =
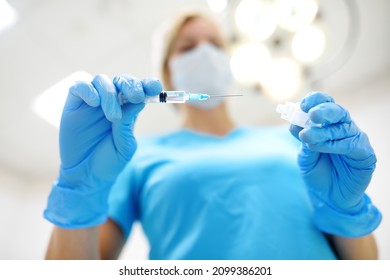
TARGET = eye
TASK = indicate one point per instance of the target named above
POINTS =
(186, 48)
(218, 43)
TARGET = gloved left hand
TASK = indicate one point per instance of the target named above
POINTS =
(337, 162)
(96, 142)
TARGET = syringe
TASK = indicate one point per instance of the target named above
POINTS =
(176, 96)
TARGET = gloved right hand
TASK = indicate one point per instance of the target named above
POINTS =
(96, 142)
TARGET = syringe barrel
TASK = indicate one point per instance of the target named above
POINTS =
(168, 97)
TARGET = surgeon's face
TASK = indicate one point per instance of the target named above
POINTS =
(195, 32)
(199, 62)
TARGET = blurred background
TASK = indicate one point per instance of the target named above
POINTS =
(281, 49)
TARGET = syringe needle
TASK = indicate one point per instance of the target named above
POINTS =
(224, 95)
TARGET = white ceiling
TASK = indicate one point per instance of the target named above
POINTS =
(56, 38)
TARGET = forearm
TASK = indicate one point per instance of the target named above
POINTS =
(362, 248)
(74, 244)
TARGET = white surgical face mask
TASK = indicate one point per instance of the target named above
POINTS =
(204, 69)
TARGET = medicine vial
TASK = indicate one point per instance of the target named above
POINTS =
(292, 112)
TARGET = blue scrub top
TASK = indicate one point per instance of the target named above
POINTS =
(199, 196)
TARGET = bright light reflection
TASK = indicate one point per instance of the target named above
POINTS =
(296, 14)
(8, 15)
(256, 19)
(50, 103)
(308, 44)
(283, 79)
(217, 6)
(249, 62)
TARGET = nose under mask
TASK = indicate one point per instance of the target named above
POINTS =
(204, 69)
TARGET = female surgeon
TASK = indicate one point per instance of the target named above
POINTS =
(212, 189)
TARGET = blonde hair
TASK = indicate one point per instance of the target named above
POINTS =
(170, 41)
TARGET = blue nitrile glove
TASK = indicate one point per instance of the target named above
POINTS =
(337, 162)
(96, 142)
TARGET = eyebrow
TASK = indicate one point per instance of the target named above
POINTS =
(191, 39)
(186, 39)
